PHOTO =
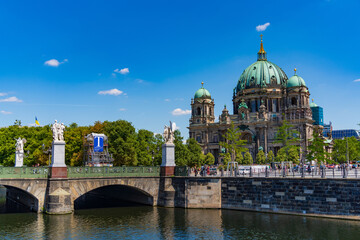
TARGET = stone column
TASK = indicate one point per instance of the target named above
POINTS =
(58, 167)
(167, 167)
(19, 158)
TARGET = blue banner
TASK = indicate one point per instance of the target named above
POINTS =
(98, 144)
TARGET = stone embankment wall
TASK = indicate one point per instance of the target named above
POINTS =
(326, 197)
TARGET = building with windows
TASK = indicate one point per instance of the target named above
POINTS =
(345, 133)
(263, 97)
(317, 114)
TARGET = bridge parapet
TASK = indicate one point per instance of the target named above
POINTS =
(24, 172)
(86, 172)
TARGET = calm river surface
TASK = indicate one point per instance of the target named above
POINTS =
(143, 222)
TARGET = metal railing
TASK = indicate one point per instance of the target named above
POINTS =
(24, 172)
(351, 173)
(79, 172)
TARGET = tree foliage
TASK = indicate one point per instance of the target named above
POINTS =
(260, 157)
(316, 150)
(288, 137)
(339, 151)
(233, 142)
(247, 159)
(270, 157)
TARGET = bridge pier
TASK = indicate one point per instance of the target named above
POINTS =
(58, 197)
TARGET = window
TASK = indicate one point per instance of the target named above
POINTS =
(198, 111)
(216, 139)
(253, 106)
(198, 139)
(293, 101)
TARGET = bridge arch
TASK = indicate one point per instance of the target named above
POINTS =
(139, 190)
(30, 193)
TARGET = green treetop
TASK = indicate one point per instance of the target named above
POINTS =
(233, 142)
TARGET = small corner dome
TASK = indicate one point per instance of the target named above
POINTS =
(202, 93)
(295, 81)
(312, 104)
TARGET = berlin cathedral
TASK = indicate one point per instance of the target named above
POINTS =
(263, 97)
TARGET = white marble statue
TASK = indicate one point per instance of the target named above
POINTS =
(169, 133)
(19, 152)
(19, 145)
(58, 131)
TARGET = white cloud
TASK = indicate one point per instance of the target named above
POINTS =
(5, 113)
(167, 100)
(356, 80)
(54, 62)
(122, 109)
(179, 112)
(10, 99)
(2, 94)
(114, 91)
(263, 27)
(122, 71)
(140, 80)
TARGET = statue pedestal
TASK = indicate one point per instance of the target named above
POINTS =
(58, 167)
(167, 167)
(19, 159)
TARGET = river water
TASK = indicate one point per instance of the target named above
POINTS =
(144, 222)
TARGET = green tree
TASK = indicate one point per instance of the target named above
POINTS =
(122, 142)
(260, 157)
(239, 157)
(195, 152)
(293, 155)
(209, 159)
(340, 150)
(288, 137)
(181, 151)
(270, 157)
(233, 142)
(248, 160)
(316, 150)
(226, 159)
(146, 147)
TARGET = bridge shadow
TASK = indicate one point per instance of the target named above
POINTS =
(113, 196)
(16, 200)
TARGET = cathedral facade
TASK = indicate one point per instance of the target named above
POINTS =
(263, 97)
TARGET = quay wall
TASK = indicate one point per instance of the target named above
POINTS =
(338, 198)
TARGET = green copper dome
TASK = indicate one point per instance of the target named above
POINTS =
(295, 81)
(202, 92)
(261, 74)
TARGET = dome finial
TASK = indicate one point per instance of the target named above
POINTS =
(202, 84)
(261, 53)
(295, 71)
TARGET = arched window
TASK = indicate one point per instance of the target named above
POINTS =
(210, 112)
(198, 111)
(293, 101)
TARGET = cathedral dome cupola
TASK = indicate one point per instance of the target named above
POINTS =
(261, 74)
(295, 81)
(202, 92)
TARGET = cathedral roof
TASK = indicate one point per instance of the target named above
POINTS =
(262, 73)
(296, 81)
(202, 92)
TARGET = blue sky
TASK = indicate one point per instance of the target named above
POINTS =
(60, 59)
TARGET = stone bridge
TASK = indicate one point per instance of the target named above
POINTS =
(338, 198)
(33, 188)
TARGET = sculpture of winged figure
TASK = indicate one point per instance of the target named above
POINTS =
(19, 145)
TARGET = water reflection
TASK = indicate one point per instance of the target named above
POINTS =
(170, 223)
